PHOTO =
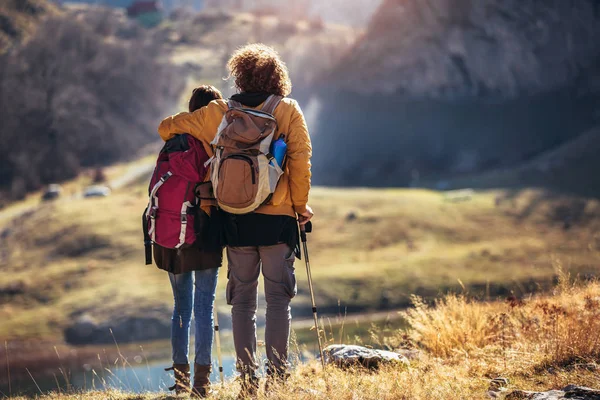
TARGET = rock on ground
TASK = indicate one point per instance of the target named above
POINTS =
(351, 356)
(569, 392)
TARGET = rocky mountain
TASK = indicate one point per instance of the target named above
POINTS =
(441, 88)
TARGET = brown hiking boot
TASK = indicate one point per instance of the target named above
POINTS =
(182, 378)
(201, 380)
(275, 377)
(249, 387)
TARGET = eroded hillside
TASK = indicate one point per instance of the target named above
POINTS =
(439, 89)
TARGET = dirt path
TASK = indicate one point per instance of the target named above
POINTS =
(132, 174)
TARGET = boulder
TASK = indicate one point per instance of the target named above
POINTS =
(346, 356)
(82, 331)
(569, 392)
(125, 329)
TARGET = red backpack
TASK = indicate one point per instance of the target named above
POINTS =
(169, 218)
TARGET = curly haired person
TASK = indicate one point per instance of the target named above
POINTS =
(264, 240)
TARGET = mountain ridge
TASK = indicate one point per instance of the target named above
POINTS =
(438, 90)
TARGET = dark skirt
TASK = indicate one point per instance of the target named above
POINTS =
(260, 230)
(205, 253)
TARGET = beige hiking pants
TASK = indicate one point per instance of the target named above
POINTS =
(242, 293)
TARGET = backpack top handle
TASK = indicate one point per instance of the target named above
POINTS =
(268, 106)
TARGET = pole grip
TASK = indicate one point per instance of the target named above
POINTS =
(304, 229)
(303, 233)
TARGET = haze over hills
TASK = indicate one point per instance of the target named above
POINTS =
(88, 103)
(356, 13)
(437, 90)
(69, 104)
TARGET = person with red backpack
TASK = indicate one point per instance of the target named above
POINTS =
(182, 232)
(264, 198)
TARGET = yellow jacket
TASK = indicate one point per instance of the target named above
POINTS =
(291, 194)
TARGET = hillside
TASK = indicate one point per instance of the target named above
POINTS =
(452, 88)
(87, 103)
(566, 168)
(76, 95)
(371, 250)
(203, 42)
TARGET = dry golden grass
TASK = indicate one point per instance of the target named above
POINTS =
(518, 336)
(538, 344)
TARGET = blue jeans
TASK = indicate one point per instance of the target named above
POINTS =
(199, 294)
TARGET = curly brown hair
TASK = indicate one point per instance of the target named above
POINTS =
(257, 68)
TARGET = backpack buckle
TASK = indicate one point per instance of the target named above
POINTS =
(184, 218)
(152, 212)
(166, 176)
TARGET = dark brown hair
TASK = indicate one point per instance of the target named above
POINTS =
(203, 95)
(258, 68)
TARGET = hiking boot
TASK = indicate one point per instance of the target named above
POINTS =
(249, 387)
(182, 378)
(275, 377)
(201, 380)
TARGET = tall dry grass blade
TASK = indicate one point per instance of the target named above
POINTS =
(32, 378)
(343, 324)
(330, 330)
(102, 369)
(125, 363)
(100, 377)
(462, 285)
(116, 344)
(147, 367)
(114, 377)
(62, 370)
(8, 369)
(57, 384)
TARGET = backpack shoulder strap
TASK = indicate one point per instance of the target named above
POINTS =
(271, 103)
(234, 104)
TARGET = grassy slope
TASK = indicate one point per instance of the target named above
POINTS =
(539, 344)
(86, 255)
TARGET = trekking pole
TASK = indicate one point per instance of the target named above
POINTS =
(310, 289)
(218, 343)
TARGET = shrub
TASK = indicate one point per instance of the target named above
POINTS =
(525, 334)
(71, 98)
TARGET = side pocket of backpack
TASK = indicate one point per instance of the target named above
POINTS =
(281, 194)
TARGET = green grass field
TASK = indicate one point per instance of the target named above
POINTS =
(370, 250)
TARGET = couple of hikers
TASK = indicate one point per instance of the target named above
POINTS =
(236, 134)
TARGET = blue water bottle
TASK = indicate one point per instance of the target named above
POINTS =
(278, 150)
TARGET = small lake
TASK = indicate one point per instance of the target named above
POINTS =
(141, 377)
(136, 374)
